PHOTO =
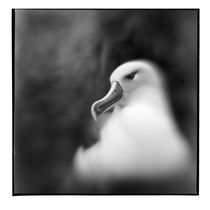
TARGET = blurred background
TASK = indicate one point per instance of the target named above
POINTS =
(63, 60)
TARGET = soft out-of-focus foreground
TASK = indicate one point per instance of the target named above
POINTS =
(63, 60)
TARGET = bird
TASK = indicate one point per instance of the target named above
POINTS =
(139, 141)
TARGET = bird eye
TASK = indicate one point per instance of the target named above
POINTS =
(130, 76)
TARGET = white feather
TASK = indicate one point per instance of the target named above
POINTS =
(139, 140)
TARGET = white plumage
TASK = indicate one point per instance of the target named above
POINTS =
(140, 139)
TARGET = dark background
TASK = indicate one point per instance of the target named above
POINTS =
(62, 63)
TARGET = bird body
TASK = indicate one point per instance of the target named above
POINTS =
(140, 140)
(130, 147)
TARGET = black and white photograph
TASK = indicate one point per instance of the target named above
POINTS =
(105, 101)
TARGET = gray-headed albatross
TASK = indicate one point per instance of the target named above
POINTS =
(140, 139)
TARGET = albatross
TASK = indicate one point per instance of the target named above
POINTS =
(140, 139)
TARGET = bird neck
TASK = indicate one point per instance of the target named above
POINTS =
(149, 95)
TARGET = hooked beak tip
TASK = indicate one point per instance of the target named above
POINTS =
(99, 107)
(93, 113)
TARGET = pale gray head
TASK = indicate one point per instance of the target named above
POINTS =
(126, 80)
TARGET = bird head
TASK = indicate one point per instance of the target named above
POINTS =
(126, 81)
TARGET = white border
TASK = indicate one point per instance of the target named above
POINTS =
(100, 202)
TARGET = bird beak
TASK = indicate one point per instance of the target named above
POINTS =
(115, 94)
